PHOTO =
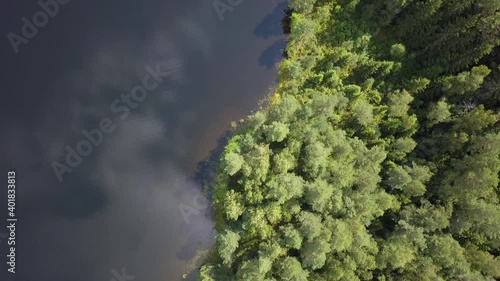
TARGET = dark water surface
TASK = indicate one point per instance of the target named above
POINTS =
(130, 206)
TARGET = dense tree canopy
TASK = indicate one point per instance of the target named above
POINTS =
(378, 156)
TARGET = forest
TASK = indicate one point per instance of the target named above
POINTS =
(378, 155)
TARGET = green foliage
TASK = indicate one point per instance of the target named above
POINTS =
(233, 163)
(417, 84)
(420, 176)
(318, 195)
(429, 217)
(398, 51)
(233, 205)
(290, 69)
(315, 158)
(398, 178)
(378, 157)
(363, 113)
(276, 131)
(313, 253)
(254, 269)
(483, 261)
(291, 270)
(227, 243)
(476, 120)
(399, 148)
(399, 103)
(396, 254)
(310, 225)
(465, 82)
(438, 112)
(285, 187)
(292, 237)
(302, 6)
(284, 161)
(207, 273)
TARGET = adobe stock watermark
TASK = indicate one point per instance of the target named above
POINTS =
(50, 9)
(199, 203)
(221, 7)
(93, 138)
(121, 276)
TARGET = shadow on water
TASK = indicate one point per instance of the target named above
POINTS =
(204, 177)
(271, 24)
(207, 169)
(272, 55)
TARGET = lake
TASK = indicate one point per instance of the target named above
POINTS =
(108, 111)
